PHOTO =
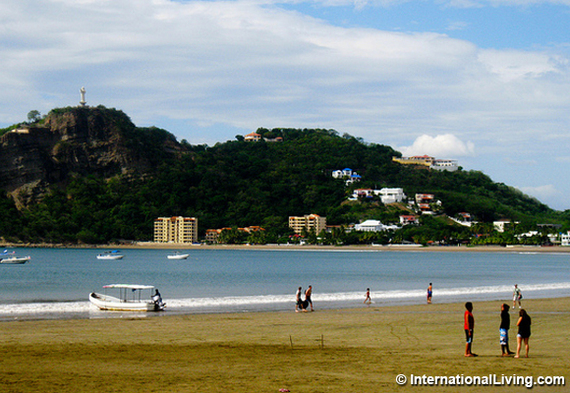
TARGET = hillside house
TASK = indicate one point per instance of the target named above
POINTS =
(391, 195)
(253, 137)
(445, 165)
(426, 161)
(373, 226)
(424, 198)
(348, 174)
(501, 225)
(408, 219)
(387, 195)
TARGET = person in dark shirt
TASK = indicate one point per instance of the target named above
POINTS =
(504, 330)
(524, 332)
(308, 294)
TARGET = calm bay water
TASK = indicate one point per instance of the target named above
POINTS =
(56, 282)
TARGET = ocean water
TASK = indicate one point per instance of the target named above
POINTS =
(56, 282)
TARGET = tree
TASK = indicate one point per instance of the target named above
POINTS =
(34, 116)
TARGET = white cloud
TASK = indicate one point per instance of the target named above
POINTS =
(543, 192)
(217, 68)
(440, 146)
(513, 64)
(246, 65)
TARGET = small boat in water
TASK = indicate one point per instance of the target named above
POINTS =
(177, 255)
(15, 260)
(10, 257)
(129, 298)
(110, 255)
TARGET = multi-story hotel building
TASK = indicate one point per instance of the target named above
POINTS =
(311, 222)
(176, 230)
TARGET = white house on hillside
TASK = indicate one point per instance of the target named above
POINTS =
(348, 174)
(387, 195)
(501, 224)
(373, 226)
(391, 195)
(339, 174)
(445, 165)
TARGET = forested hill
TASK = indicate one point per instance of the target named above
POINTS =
(92, 176)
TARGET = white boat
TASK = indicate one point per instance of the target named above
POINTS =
(177, 255)
(15, 260)
(110, 255)
(130, 298)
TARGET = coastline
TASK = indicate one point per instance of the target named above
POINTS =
(273, 247)
(347, 350)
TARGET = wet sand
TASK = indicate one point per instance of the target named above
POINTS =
(350, 350)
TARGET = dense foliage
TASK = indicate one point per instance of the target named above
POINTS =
(237, 184)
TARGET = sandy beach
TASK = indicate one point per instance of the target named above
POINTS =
(393, 247)
(350, 350)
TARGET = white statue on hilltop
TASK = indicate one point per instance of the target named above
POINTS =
(82, 91)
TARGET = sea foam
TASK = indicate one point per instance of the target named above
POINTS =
(285, 301)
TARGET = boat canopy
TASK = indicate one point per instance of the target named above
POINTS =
(129, 286)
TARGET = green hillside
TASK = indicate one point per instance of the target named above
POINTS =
(238, 184)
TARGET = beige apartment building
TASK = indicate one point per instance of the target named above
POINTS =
(176, 230)
(311, 222)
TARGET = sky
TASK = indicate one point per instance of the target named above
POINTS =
(485, 82)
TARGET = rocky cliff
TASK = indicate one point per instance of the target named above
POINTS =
(77, 141)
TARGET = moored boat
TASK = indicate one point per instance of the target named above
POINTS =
(177, 255)
(15, 260)
(110, 255)
(130, 298)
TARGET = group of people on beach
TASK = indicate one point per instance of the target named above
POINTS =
(523, 324)
(300, 304)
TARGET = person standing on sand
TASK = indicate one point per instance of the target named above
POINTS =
(504, 330)
(368, 300)
(429, 293)
(308, 294)
(299, 300)
(469, 326)
(524, 332)
(517, 296)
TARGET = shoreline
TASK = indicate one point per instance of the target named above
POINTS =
(84, 310)
(283, 247)
(348, 350)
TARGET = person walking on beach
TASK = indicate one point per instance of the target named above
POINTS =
(308, 294)
(517, 296)
(299, 301)
(524, 332)
(368, 299)
(504, 330)
(469, 326)
(429, 293)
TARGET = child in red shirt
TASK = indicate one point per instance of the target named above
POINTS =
(469, 325)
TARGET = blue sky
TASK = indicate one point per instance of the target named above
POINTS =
(483, 82)
(485, 24)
